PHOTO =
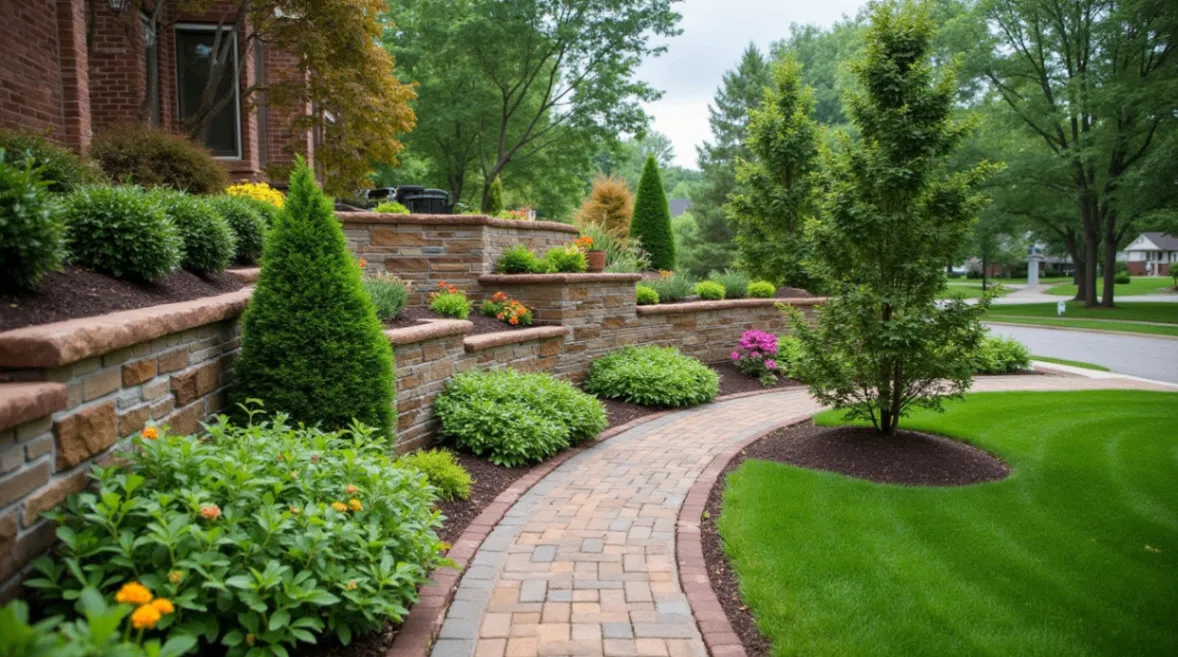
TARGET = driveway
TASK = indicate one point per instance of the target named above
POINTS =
(1152, 358)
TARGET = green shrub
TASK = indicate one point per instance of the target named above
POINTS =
(998, 355)
(311, 343)
(155, 158)
(61, 168)
(207, 241)
(710, 290)
(495, 198)
(1122, 279)
(647, 296)
(288, 534)
(622, 256)
(789, 353)
(391, 207)
(99, 632)
(30, 231)
(121, 231)
(672, 288)
(735, 284)
(247, 223)
(443, 471)
(514, 417)
(761, 290)
(449, 301)
(652, 376)
(651, 223)
(268, 211)
(388, 294)
(567, 259)
(519, 259)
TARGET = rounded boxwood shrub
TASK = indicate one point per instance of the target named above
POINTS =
(155, 158)
(391, 207)
(1122, 279)
(761, 290)
(337, 535)
(246, 222)
(443, 471)
(647, 296)
(515, 418)
(311, 343)
(30, 231)
(62, 169)
(710, 290)
(652, 376)
(208, 243)
(567, 259)
(120, 231)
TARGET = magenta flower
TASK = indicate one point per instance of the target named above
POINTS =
(770, 364)
(735, 356)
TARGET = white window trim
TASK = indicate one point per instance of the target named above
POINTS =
(209, 27)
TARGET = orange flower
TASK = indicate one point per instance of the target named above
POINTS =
(339, 506)
(145, 617)
(363, 263)
(133, 593)
(210, 511)
(150, 433)
(355, 505)
(514, 321)
(163, 605)
(352, 489)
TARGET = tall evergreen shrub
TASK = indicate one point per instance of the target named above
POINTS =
(495, 197)
(312, 345)
(652, 218)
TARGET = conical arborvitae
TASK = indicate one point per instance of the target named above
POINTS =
(311, 344)
(652, 218)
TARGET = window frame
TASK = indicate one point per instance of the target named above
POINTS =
(212, 27)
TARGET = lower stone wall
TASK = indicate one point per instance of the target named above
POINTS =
(708, 330)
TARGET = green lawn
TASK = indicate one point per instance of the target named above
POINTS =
(1089, 324)
(1136, 286)
(969, 290)
(1077, 316)
(1073, 363)
(1075, 554)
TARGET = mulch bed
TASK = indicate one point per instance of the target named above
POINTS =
(482, 323)
(909, 458)
(76, 292)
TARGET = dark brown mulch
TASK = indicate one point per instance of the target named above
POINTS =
(792, 293)
(489, 481)
(75, 293)
(909, 458)
(374, 644)
(733, 381)
(482, 323)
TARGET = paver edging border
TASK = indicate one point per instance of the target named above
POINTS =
(421, 627)
(709, 614)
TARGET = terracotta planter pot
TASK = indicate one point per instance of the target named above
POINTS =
(596, 260)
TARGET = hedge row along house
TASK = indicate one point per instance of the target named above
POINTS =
(76, 67)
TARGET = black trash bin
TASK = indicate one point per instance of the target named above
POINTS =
(422, 200)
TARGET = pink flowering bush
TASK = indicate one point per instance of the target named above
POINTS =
(756, 356)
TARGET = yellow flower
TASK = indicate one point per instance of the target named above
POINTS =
(259, 191)
(163, 605)
(339, 506)
(150, 433)
(352, 585)
(133, 593)
(355, 505)
(175, 576)
(145, 617)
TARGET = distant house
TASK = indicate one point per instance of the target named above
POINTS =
(1152, 254)
(679, 206)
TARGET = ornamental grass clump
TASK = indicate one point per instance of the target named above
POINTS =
(120, 231)
(756, 356)
(652, 376)
(515, 418)
(389, 294)
(735, 283)
(312, 345)
(672, 287)
(261, 536)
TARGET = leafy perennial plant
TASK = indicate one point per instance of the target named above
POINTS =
(756, 356)
(259, 537)
(449, 301)
(505, 309)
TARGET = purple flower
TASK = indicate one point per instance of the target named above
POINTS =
(735, 356)
(770, 364)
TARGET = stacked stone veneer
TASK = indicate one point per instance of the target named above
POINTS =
(429, 249)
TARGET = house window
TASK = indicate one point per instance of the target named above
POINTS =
(194, 55)
(151, 69)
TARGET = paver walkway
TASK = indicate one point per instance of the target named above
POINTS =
(584, 563)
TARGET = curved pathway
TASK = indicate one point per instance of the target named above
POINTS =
(584, 563)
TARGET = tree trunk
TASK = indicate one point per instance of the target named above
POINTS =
(1091, 254)
(1110, 259)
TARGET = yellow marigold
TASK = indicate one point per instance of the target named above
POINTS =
(150, 433)
(133, 593)
(163, 605)
(145, 617)
(175, 576)
(355, 505)
(210, 511)
(339, 506)
(259, 191)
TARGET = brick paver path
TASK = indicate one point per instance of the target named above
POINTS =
(584, 563)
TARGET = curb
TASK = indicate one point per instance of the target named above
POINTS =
(709, 614)
(1084, 330)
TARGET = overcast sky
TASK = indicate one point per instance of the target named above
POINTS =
(715, 33)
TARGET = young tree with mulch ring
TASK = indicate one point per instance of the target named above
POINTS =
(311, 344)
(891, 218)
(651, 222)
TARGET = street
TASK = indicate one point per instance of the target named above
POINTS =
(1149, 357)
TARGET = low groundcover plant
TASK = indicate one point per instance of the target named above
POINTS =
(260, 536)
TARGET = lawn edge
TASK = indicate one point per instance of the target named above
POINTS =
(1161, 336)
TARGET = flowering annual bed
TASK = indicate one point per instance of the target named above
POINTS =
(505, 309)
(257, 191)
(756, 356)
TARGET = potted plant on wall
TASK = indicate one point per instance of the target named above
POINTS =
(595, 257)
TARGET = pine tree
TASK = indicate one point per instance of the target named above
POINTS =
(893, 215)
(711, 247)
(494, 198)
(311, 345)
(651, 223)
